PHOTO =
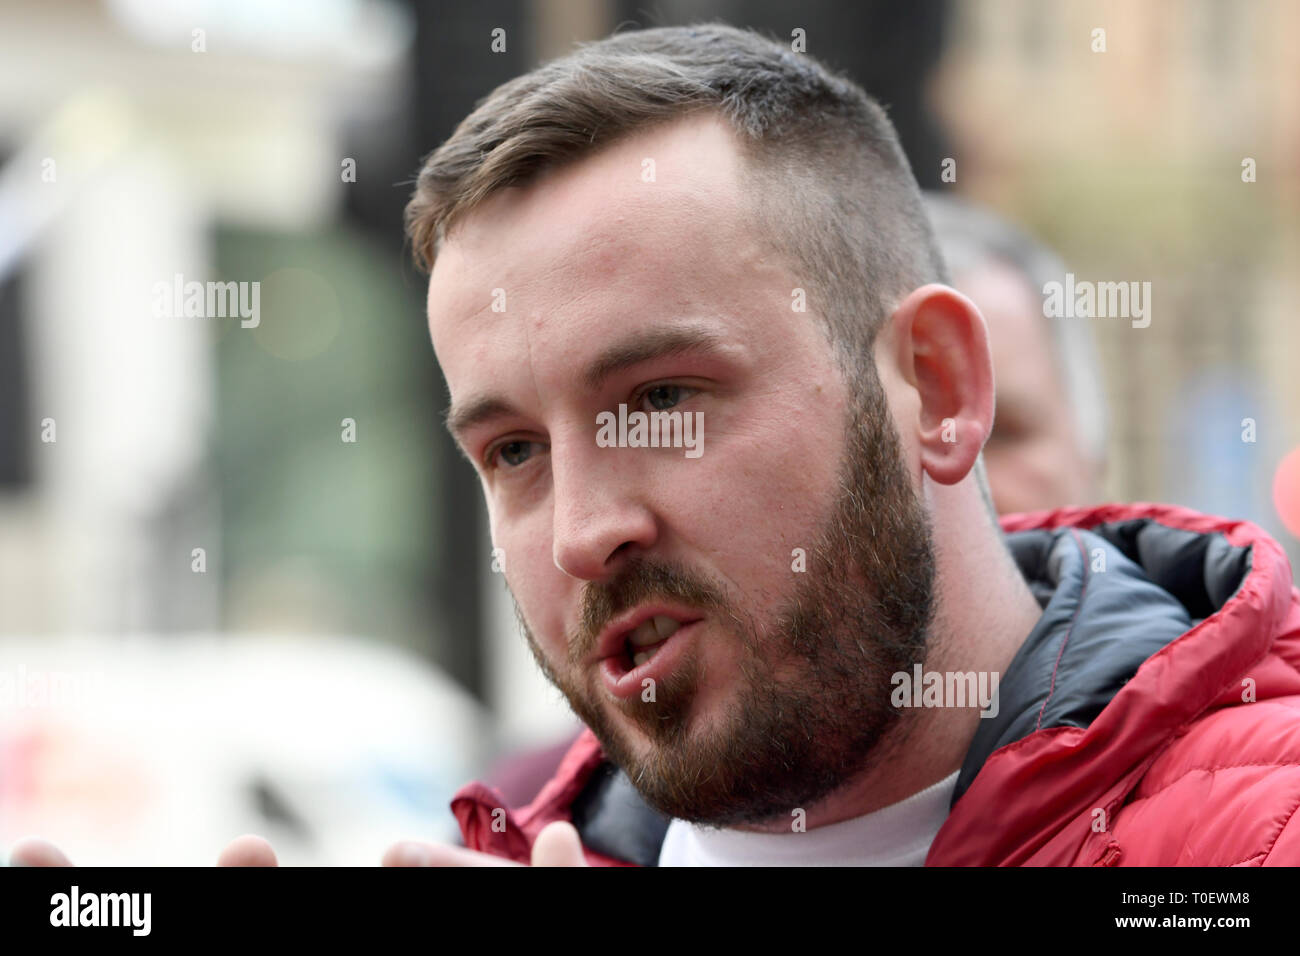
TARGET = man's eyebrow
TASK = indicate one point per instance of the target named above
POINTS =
(641, 346)
(461, 418)
(647, 344)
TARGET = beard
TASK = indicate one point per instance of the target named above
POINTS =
(812, 705)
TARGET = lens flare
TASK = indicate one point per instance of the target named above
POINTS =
(1286, 491)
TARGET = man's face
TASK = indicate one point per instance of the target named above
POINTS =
(791, 557)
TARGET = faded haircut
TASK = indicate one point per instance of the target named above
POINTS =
(832, 192)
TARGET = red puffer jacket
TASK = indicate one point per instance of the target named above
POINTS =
(1151, 718)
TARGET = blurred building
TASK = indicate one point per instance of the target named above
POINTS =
(275, 480)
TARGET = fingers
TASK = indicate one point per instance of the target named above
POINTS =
(410, 853)
(33, 851)
(558, 845)
(247, 850)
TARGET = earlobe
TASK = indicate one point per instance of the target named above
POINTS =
(951, 369)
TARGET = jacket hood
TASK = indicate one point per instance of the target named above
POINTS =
(1152, 616)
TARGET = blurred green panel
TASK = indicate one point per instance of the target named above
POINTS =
(320, 533)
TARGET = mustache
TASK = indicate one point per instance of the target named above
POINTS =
(642, 580)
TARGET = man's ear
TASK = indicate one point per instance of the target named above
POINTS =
(940, 342)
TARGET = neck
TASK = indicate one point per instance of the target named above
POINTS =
(983, 612)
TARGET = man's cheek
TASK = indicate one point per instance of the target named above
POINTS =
(540, 604)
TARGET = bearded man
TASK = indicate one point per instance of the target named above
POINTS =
(699, 220)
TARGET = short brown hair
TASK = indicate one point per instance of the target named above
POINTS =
(836, 195)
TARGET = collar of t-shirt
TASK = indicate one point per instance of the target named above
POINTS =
(897, 835)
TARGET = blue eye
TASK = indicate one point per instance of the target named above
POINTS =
(513, 453)
(666, 396)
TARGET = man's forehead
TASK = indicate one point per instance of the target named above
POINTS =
(641, 199)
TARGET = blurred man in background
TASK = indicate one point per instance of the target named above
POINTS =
(1048, 446)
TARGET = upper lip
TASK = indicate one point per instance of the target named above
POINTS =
(613, 639)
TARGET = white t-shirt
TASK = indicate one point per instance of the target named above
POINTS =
(897, 835)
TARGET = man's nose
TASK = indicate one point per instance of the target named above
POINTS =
(600, 518)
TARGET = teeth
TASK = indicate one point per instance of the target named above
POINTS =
(666, 627)
(645, 634)
(644, 641)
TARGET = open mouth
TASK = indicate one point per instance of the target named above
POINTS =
(651, 650)
(644, 641)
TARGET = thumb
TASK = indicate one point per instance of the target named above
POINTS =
(558, 845)
(247, 850)
(33, 851)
